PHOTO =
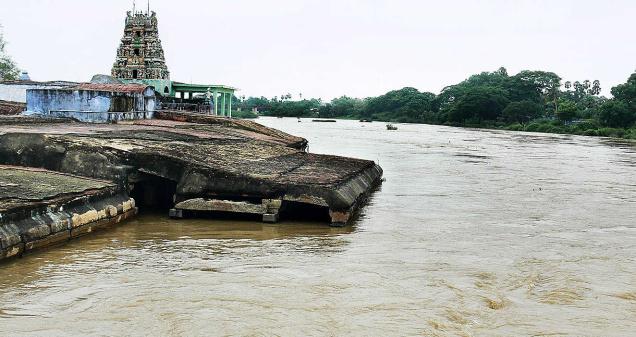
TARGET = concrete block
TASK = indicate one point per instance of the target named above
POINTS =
(201, 204)
(270, 217)
(175, 213)
(339, 218)
(272, 205)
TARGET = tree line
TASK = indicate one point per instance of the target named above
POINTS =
(529, 100)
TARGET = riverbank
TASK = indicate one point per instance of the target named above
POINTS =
(580, 128)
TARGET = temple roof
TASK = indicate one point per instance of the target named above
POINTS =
(19, 82)
(199, 87)
(120, 88)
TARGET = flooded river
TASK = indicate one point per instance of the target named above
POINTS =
(474, 233)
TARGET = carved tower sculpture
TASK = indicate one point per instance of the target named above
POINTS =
(140, 57)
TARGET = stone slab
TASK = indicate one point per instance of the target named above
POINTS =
(213, 205)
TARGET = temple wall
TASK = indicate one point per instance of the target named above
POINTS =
(45, 101)
(91, 106)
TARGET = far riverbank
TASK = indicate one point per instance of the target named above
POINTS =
(581, 128)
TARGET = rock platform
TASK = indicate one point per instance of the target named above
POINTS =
(40, 208)
(188, 164)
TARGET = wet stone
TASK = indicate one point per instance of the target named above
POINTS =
(39, 207)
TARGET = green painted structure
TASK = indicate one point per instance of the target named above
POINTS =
(220, 95)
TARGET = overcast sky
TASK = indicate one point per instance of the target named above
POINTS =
(329, 48)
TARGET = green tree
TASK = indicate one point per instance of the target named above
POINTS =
(346, 106)
(451, 94)
(541, 87)
(616, 113)
(567, 111)
(261, 103)
(522, 112)
(545, 84)
(579, 91)
(620, 111)
(407, 105)
(306, 107)
(8, 68)
(479, 104)
(626, 92)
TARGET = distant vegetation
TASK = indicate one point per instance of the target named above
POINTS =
(528, 101)
(244, 114)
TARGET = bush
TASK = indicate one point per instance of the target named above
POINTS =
(543, 127)
(587, 124)
(554, 129)
(590, 132)
(533, 127)
(611, 132)
(515, 127)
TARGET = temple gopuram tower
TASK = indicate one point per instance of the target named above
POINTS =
(140, 57)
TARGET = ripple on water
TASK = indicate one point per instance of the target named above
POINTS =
(628, 296)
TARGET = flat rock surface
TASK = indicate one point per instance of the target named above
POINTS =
(209, 128)
(20, 186)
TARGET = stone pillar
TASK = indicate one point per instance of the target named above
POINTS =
(215, 94)
(230, 106)
(223, 104)
(272, 208)
(340, 218)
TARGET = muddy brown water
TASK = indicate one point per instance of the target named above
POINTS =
(474, 233)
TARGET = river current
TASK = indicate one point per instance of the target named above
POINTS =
(473, 233)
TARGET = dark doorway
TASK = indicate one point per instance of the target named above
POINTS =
(154, 193)
(304, 212)
(135, 73)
